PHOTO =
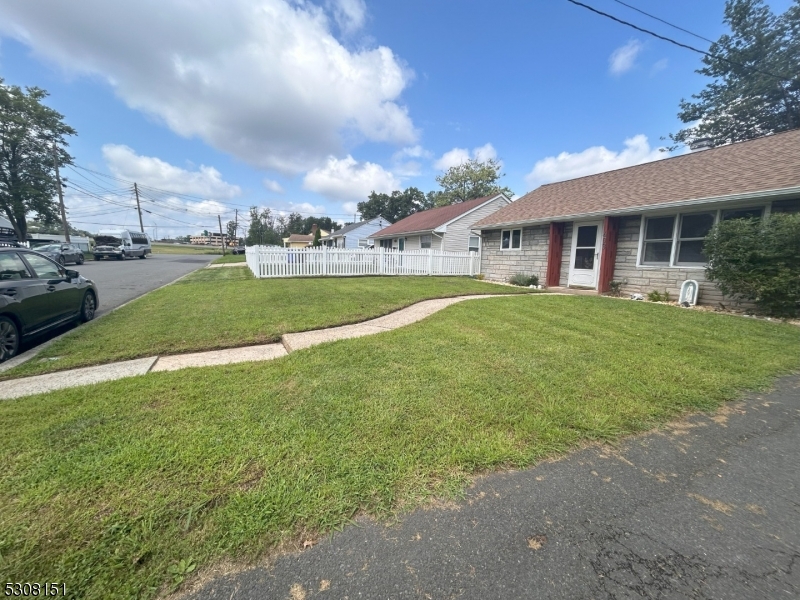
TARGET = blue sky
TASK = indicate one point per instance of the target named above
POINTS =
(308, 106)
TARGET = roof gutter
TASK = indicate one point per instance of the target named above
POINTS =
(760, 195)
(399, 233)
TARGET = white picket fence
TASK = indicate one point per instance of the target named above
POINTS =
(340, 262)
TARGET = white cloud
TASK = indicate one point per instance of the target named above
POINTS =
(406, 163)
(350, 207)
(263, 80)
(659, 66)
(592, 160)
(347, 179)
(624, 57)
(349, 14)
(154, 172)
(456, 156)
(273, 186)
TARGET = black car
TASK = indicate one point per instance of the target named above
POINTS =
(238, 249)
(62, 253)
(36, 295)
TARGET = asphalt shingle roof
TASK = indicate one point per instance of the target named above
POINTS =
(428, 220)
(767, 163)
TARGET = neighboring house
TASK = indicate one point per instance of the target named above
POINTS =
(445, 228)
(300, 240)
(356, 235)
(641, 225)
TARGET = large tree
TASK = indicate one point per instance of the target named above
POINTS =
(32, 139)
(756, 78)
(469, 180)
(395, 206)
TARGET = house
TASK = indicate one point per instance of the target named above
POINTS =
(644, 225)
(356, 235)
(300, 240)
(444, 228)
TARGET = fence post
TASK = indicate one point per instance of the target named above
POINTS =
(430, 261)
(324, 259)
(381, 255)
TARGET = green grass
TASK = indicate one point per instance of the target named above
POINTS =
(229, 258)
(109, 487)
(184, 249)
(225, 308)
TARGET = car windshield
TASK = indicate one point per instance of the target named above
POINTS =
(107, 240)
(49, 248)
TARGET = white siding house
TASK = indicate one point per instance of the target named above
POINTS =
(448, 228)
(356, 235)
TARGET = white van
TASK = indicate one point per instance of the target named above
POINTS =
(121, 243)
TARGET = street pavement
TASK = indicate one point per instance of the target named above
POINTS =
(707, 507)
(119, 282)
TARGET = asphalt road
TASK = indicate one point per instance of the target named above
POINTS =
(121, 281)
(706, 508)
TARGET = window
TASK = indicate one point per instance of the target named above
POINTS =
(511, 239)
(694, 228)
(424, 241)
(363, 242)
(743, 213)
(385, 243)
(474, 243)
(43, 267)
(12, 267)
(586, 247)
(657, 246)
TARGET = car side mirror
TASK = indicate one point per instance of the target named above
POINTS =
(71, 274)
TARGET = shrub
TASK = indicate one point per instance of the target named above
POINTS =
(524, 280)
(615, 288)
(758, 260)
(654, 296)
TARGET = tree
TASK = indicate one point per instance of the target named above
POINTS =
(758, 260)
(230, 226)
(395, 206)
(321, 222)
(32, 139)
(317, 236)
(469, 180)
(756, 78)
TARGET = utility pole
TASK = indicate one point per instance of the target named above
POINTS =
(221, 237)
(236, 228)
(138, 208)
(60, 196)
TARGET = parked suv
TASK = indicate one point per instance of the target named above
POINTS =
(238, 250)
(37, 295)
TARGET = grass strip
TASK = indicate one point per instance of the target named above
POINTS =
(225, 308)
(117, 489)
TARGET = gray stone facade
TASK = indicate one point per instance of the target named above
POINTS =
(643, 280)
(530, 259)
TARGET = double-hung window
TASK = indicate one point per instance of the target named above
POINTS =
(511, 239)
(657, 247)
(474, 243)
(694, 229)
(677, 240)
(425, 241)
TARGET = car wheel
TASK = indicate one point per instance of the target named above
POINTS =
(88, 307)
(9, 339)
(121, 256)
(143, 255)
(80, 260)
(61, 260)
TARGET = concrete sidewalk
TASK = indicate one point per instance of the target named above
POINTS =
(16, 388)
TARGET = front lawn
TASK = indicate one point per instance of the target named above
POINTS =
(229, 258)
(183, 249)
(228, 307)
(117, 489)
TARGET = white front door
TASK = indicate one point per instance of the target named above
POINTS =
(584, 263)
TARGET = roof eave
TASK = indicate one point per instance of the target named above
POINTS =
(758, 195)
(398, 233)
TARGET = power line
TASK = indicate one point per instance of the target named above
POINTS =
(700, 37)
(671, 41)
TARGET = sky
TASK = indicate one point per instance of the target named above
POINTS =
(309, 106)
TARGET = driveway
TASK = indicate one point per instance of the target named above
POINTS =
(705, 508)
(121, 281)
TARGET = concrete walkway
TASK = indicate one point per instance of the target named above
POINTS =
(16, 388)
